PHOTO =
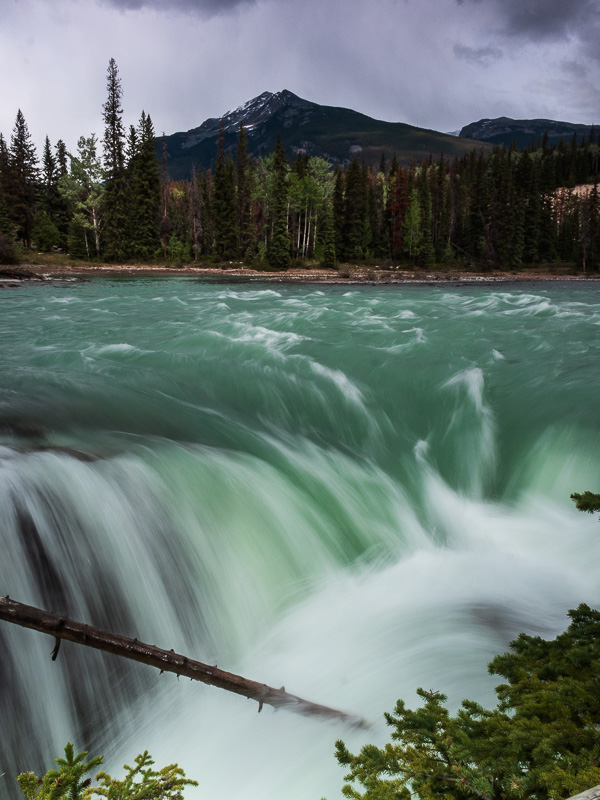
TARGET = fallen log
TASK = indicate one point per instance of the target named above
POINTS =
(165, 660)
(590, 794)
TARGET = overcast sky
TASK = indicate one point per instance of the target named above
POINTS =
(433, 63)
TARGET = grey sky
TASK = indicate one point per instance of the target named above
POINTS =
(435, 63)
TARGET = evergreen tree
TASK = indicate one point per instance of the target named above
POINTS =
(71, 782)
(397, 211)
(478, 207)
(328, 260)
(244, 199)
(195, 213)
(426, 252)
(115, 199)
(338, 212)
(278, 253)
(49, 182)
(412, 232)
(224, 205)
(144, 196)
(6, 227)
(23, 178)
(61, 214)
(587, 501)
(62, 166)
(165, 226)
(355, 213)
(541, 741)
(4, 166)
(206, 213)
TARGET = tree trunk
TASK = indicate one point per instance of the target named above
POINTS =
(590, 794)
(165, 660)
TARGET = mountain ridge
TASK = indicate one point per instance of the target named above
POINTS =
(334, 133)
(523, 132)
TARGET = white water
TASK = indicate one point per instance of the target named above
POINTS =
(299, 488)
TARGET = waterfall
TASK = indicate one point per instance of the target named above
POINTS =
(349, 493)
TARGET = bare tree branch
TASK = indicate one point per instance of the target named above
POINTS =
(165, 660)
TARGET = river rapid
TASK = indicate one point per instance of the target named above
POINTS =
(349, 491)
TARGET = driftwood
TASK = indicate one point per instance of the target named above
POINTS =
(590, 794)
(165, 660)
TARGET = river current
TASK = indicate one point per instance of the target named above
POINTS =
(349, 491)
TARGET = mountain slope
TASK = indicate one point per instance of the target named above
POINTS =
(336, 134)
(504, 131)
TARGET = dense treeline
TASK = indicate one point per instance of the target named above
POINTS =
(506, 210)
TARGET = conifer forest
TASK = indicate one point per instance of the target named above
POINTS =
(112, 200)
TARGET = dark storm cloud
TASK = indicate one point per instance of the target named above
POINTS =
(540, 20)
(482, 56)
(200, 7)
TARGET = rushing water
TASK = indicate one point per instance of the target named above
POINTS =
(349, 491)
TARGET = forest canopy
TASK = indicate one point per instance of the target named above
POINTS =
(112, 200)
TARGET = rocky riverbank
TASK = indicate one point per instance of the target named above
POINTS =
(345, 275)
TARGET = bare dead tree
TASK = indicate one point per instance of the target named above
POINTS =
(166, 660)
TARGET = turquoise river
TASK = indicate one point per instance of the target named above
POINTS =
(350, 491)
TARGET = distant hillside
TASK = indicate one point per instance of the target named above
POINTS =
(504, 131)
(336, 134)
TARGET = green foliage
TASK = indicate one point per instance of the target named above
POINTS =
(587, 501)
(144, 192)
(278, 251)
(44, 232)
(141, 782)
(177, 252)
(115, 187)
(22, 178)
(67, 781)
(541, 741)
(225, 206)
(8, 250)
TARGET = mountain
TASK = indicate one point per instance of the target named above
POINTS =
(336, 134)
(504, 131)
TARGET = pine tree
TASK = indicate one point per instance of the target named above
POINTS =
(338, 212)
(355, 213)
(328, 260)
(144, 196)
(427, 252)
(4, 165)
(61, 215)
(412, 232)
(206, 213)
(165, 225)
(245, 227)
(5, 223)
(397, 211)
(115, 198)
(23, 178)
(69, 781)
(540, 741)
(476, 238)
(195, 213)
(62, 166)
(225, 206)
(49, 178)
(278, 253)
